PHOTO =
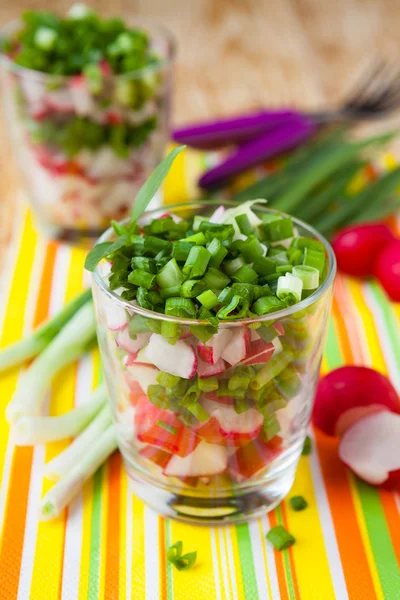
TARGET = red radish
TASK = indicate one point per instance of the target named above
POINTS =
(205, 370)
(236, 350)
(125, 342)
(278, 328)
(356, 247)
(113, 117)
(254, 335)
(144, 375)
(211, 352)
(253, 459)
(349, 393)
(258, 353)
(141, 358)
(387, 269)
(370, 448)
(205, 460)
(130, 359)
(157, 456)
(226, 426)
(179, 359)
(116, 317)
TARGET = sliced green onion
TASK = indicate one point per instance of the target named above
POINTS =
(266, 305)
(167, 427)
(170, 275)
(295, 256)
(280, 229)
(170, 292)
(208, 299)
(283, 269)
(198, 238)
(180, 250)
(307, 446)
(274, 366)
(143, 263)
(244, 224)
(180, 307)
(217, 251)
(233, 265)
(260, 290)
(298, 503)
(223, 232)
(226, 295)
(192, 288)
(289, 285)
(197, 220)
(203, 332)
(181, 562)
(236, 303)
(142, 279)
(154, 245)
(207, 385)
(215, 279)
(314, 258)
(45, 38)
(280, 538)
(137, 325)
(245, 274)
(308, 275)
(271, 427)
(251, 249)
(167, 379)
(170, 331)
(197, 262)
(264, 266)
(157, 396)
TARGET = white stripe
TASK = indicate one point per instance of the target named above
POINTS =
(330, 540)
(231, 563)
(56, 300)
(383, 335)
(273, 576)
(224, 561)
(60, 276)
(214, 557)
(151, 555)
(129, 541)
(258, 559)
(74, 525)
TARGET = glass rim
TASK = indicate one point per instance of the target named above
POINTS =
(165, 33)
(275, 316)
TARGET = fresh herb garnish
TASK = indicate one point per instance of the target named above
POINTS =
(307, 447)
(298, 503)
(181, 562)
(167, 427)
(280, 538)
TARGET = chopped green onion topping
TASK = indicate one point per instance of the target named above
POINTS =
(277, 230)
(308, 275)
(208, 299)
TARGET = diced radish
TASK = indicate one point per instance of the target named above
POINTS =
(370, 447)
(205, 370)
(226, 426)
(125, 342)
(116, 317)
(253, 459)
(278, 328)
(206, 460)
(349, 393)
(254, 335)
(81, 96)
(113, 117)
(258, 353)
(144, 375)
(212, 351)
(237, 348)
(157, 456)
(179, 359)
(218, 215)
(60, 101)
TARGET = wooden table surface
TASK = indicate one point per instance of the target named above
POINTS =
(237, 54)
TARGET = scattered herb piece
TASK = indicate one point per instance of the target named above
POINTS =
(167, 427)
(307, 447)
(298, 503)
(181, 562)
(280, 538)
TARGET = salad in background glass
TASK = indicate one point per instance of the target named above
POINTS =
(87, 102)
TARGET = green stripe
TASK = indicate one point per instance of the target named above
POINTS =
(95, 545)
(333, 354)
(286, 561)
(167, 525)
(390, 319)
(381, 543)
(247, 561)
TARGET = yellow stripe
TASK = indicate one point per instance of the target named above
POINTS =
(175, 187)
(366, 542)
(122, 533)
(202, 577)
(103, 529)
(309, 554)
(236, 562)
(138, 555)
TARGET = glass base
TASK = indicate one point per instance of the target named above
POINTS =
(246, 504)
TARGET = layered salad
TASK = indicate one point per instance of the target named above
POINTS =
(210, 364)
(87, 101)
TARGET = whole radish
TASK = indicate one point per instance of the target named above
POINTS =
(356, 247)
(387, 269)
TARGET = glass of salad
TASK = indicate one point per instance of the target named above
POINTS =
(87, 102)
(211, 325)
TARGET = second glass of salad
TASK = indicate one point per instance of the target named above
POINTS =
(211, 323)
(87, 103)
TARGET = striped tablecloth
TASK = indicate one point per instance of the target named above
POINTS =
(109, 545)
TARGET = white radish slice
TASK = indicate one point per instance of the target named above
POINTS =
(254, 335)
(125, 341)
(179, 359)
(116, 317)
(258, 353)
(370, 447)
(81, 96)
(141, 358)
(144, 375)
(217, 215)
(211, 352)
(205, 369)
(236, 350)
(248, 422)
(206, 460)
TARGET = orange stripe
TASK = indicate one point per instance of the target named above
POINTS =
(354, 560)
(162, 558)
(342, 335)
(290, 554)
(18, 490)
(111, 584)
(280, 567)
(392, 517)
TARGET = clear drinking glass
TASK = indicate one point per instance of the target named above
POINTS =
(240, 460)
(75, 182)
